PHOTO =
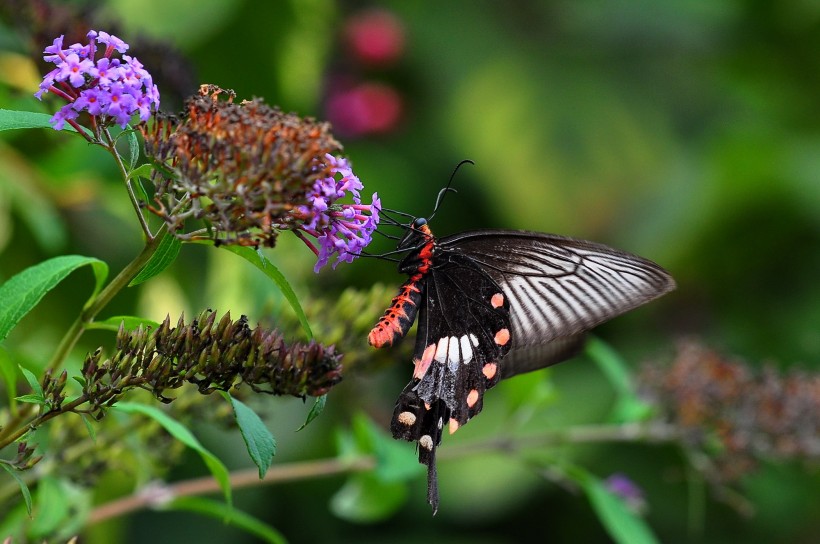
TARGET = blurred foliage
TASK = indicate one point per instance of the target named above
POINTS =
(687, 132)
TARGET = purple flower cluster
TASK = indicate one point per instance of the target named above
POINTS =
(620, 485)
(340, 229)
(107, 88)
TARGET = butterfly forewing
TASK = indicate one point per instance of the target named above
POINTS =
(560, 286)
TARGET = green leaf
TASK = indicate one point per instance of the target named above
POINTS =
(629, 406)
(611, 364)
(317, 408)
(263, 264)
(23, 487)
(143, 171)
(130, 323)
(8, 372)
(92, 432)
(24, 290)
(135, 178)
(394, 460)
(258, 439)
(52, 507)
(33, 382)
(181, 433)
(623, 525)
(166, 253)
(11, 119)
(365, 499)
(31, 399)
(222, 512)
(133, 148)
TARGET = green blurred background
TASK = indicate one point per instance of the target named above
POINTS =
(686, 131)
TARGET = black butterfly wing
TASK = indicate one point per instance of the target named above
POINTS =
(499, 303)
(538, 356)
(463, 333)
(559, 287)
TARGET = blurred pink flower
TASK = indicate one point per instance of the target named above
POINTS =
(364, 109)
(375, 37)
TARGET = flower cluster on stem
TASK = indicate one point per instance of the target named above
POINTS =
(110, 89)
(251, 171)
(340, 229)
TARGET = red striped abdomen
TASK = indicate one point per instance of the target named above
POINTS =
(398, 318)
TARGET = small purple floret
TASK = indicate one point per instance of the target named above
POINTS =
(622, 486)
(111, 89)
(343, 230)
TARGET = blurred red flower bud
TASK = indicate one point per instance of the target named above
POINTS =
(375, 37)
(364, 109)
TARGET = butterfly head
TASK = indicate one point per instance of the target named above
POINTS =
(417, 234)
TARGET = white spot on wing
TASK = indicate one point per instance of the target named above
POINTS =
(466, 350)
(453, 355)
(474, 339)
(441, 349)
(426, 442)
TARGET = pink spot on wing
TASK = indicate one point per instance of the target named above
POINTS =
(502, 337)
(489, 370)
(453, 425)
(472, 398)
(424, 363)
(497, 300)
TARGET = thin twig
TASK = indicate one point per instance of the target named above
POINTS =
(124, 171)
(155, 496)
(239, 479)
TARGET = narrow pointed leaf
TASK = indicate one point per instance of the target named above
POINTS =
(11, 119)
(163, 257)
(33, 382)
(181, 433)
(623, 525)
(629, 406)
(130, 323)
(23, 291)
(317, 408)
(92, 432)
(263, 264)
(23, 487)
(8, 372)
(258, 439)
(223, 513)
(366, 499)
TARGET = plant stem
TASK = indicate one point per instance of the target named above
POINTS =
(19, 431)
(108, 292)
(239, 479)
(653, 432)
(88, 314)
(124, 171)
(629, 432)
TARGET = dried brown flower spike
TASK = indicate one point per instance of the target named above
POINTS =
(211, 355)
(240, 167)
(734, 412)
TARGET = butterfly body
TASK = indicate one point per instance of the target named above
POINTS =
(492, 304)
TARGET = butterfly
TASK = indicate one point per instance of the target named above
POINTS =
(492, 304)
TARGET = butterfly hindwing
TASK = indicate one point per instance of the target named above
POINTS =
(463, 334)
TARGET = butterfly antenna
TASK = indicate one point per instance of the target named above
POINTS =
(385, 211)
(388, 236)
(448, 188)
